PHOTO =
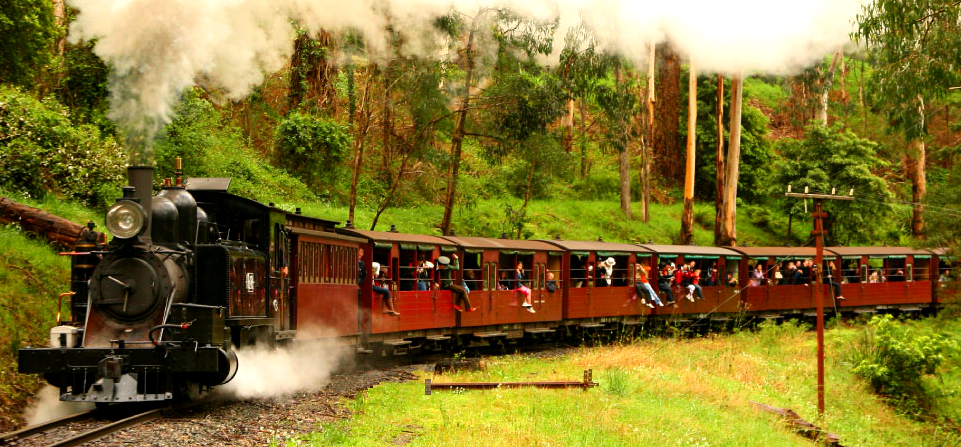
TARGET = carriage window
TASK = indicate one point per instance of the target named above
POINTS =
(581, 269)
(922, 269)
(473, 274)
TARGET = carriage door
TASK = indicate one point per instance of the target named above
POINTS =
(280, 278)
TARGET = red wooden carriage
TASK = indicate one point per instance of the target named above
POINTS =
(909, 276)
(719, 299)
(591, 300)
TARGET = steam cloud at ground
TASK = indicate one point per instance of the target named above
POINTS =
(49, 407)
(266, 372)
(157, 49)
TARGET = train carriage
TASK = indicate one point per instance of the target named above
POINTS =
(885, 276)
(719, 297)
(496, 293)
(771, 298)
(427, 313)
(590, 300)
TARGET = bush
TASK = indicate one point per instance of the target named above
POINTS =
(42, 151)
(311, 147)
(895, 360)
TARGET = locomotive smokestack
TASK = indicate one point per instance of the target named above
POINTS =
(141, 178)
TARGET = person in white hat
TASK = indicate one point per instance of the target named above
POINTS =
(606, 268)
(445, 268)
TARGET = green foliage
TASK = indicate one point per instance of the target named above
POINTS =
(42, 151)
(916, 47)
(84, 85)
(212, 148)
(757, 152)
(27, 31)
(896, 359)
(835, 158)
(311, 147)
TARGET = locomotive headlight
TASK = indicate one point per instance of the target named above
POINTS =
(125, 219)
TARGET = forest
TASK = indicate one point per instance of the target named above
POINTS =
(474, 117)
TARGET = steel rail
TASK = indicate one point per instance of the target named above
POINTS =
(112, 427)
(13, 436)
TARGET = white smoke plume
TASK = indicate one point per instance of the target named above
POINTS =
(157, 49)
(264, 372)
(48, 407)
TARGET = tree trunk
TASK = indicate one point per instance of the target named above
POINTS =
(728, 229)
(790, 221)
(687, 219)
(719, 165)
(826, 82)
(457, 139)
(360, 138)
(919, 185)
(569, 127)
(666, 138)
(312, 74)
(583, 140)
(62, 232)
(60, 18)
(647, 149)
(624, 155)
(386, 117)
(393, 188)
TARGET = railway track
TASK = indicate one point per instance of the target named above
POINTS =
(77, 429)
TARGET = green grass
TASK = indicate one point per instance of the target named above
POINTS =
(691, 392)
(31, 277)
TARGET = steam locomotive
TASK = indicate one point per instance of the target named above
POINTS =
(194, 273)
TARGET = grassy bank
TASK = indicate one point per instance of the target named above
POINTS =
(691, 392)
(571, 219)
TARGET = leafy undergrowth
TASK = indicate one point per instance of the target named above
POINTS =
(31, 277)
(691, 392)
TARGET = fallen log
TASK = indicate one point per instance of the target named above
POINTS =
(801, 426)
(62, 232)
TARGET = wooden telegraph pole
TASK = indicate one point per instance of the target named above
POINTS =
(818, 234)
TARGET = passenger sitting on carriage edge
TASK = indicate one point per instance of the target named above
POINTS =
(445, 268)
(664, 280)
(520, 280)
(643, 287)
(694, 274)
(380, 288)
(835, 286)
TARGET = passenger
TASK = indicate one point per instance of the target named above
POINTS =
(778, 275)
(710, 277)
(504, 282)
(664, 280)
(881, 278)
(445, 268)
(381, 289)
(873, 279)
(804, 272)
(606, 270)
(695, 283)
(520, 280)
(757, 276)
(731, 280)
(551, 284)
(361, 268)
(424, 275)
(898, 276)
(469, 282)
(835, 287)
(943, 278)
(642, 286)
(795, 273)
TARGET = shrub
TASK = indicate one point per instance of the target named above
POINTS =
(311, 147)
(42, 151)
(895, 360)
